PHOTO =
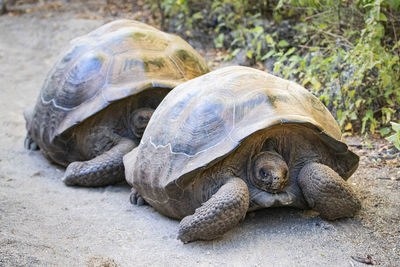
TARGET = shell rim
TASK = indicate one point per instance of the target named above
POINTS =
(65, 126)
(337, 145)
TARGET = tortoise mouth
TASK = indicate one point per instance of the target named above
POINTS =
(138, 133)
(277, 187)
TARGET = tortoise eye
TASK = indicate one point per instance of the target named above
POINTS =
(263, 173)
(142, 119)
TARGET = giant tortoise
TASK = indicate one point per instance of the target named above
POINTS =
(99, 96)
(239, 139)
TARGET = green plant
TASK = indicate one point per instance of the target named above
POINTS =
(395, 138)
(345, 52)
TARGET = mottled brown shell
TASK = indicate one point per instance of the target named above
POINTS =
(117, 60)
(204, 119)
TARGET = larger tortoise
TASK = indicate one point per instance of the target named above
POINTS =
(98, 98)
(239, 139)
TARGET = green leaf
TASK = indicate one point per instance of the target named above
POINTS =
(257, 29)
(395, 139)
(290, 51)
(197, 15)
(379, 31)
(277, 66)
(269, 39)
(384, 131)
(369, 116)
(268, 55)
(239, 39)
(279, 5)
(395, 126)
(219, 41)
(258, 49)
(295, 58)
(235, 52)
(376, 10)
(358, 102)
(339, 115)
(283, 43)
(249, 53)
(316, 84)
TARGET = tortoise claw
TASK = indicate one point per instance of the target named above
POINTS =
(136, 199)
(132, 198)
(30, 144)
(140, 201)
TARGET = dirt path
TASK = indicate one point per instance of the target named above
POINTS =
(44, 223)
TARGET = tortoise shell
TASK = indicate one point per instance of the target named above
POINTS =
(115, 61)
(203, 120)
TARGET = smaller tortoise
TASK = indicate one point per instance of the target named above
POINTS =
(98, 98)
(239, 139)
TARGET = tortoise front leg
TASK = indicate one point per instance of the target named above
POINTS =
(326, 192)
(29, 143)
(224, 210)
(105, 169)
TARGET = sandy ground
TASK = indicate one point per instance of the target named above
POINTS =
(44, 223)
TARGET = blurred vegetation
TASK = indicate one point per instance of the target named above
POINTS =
(346, 52)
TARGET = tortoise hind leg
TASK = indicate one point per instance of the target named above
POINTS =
(105, 169)
(326, 192)
(224, 210)
(29, 143)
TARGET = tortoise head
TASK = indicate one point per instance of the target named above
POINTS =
(269, 172)
(139, 120)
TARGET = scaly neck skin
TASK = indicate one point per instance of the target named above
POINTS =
(138, 120)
